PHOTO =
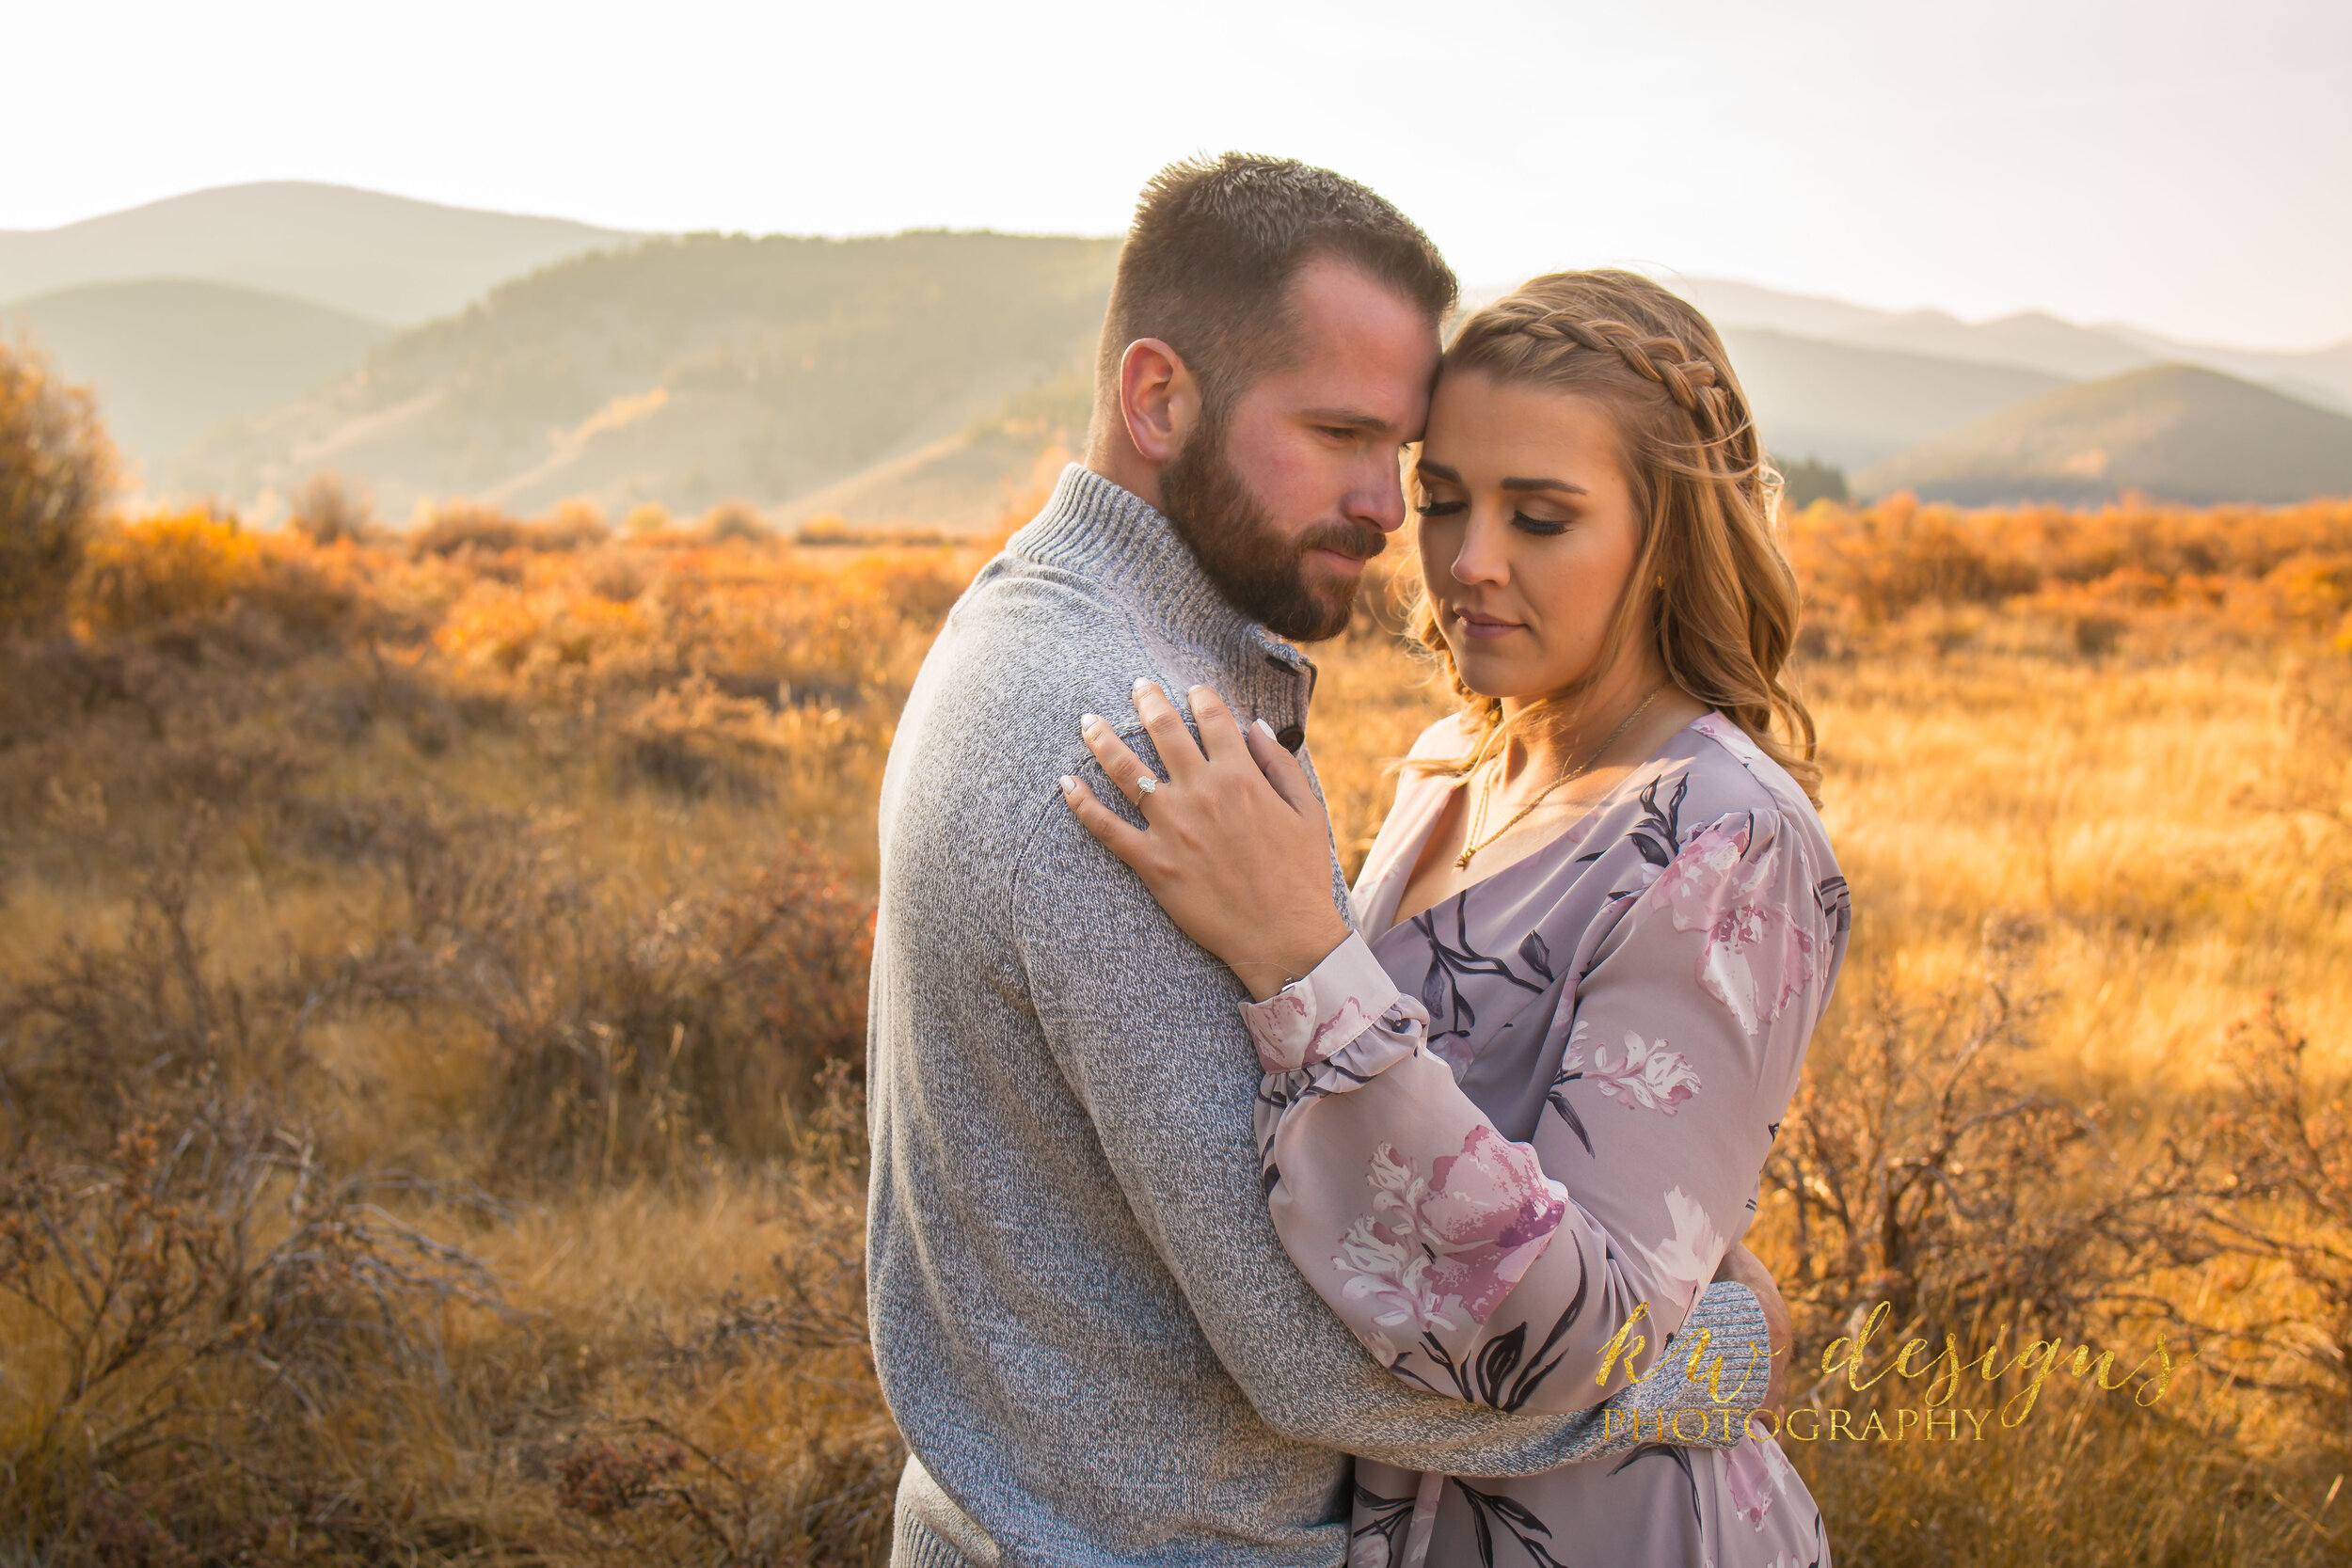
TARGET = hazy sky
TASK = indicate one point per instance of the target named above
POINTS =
(2184, 165)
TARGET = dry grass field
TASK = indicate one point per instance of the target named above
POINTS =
(432, 978)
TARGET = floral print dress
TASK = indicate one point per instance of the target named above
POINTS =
(1495, 1132)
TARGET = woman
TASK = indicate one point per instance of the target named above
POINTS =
(1527, 1106)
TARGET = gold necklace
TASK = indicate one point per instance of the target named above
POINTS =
(1478, 816)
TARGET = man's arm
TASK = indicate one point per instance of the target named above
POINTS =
(1145, 1027)
(1743, 1267)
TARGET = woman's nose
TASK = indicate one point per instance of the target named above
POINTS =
(1485, 555)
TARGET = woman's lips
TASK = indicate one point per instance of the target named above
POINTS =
(1485, 628)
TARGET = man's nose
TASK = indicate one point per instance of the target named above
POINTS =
(1378, 499)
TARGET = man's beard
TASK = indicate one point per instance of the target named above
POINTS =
(1261, 574)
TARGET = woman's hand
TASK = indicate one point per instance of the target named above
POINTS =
(1238, 851)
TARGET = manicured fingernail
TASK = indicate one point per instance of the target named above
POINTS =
(1068, 785)
(1087, 721)
(1264, 729)
(1142, 681)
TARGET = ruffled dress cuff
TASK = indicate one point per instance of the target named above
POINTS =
(1326, 1016)
(1335, 1029)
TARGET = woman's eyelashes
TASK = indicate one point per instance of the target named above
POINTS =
(1541, 527)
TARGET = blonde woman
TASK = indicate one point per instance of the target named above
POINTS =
(1525, 1103)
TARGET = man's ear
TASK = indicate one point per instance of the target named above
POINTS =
(1159, 399)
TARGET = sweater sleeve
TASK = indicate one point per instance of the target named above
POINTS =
(1167, 1079)
(1541, 1275)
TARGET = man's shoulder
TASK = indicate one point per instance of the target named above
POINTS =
(992, 719)
(1026, 634)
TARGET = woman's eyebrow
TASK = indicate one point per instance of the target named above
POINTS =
(1559, 484)
(1436, 470)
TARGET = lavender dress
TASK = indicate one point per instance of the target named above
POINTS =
(1495, 1132)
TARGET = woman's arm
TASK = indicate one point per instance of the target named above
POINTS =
(1166, 1077)
(1232, 838)
(1542, 1276)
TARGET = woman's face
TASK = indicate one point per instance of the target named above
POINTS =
(1528, 531)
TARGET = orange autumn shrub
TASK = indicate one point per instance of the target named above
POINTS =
(165, 567)
(183, 571)
(2234, 573)
(57, 468)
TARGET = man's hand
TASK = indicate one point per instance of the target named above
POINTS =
(1743, 1267)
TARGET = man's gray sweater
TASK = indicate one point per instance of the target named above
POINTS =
(1086, 1326)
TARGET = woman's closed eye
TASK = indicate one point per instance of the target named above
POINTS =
(1542, 528)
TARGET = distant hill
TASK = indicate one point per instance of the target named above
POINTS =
(2029, 342)
(687, 371)
(383, 258)
(1728, 303)
(1851, 406)
(2033, 340)
(2323, 375)
(170, 360)
(2178, 432)
(966, 480)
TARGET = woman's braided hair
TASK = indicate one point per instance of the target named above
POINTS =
(1710, 586)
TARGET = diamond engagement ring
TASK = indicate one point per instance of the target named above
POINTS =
(1146, 785)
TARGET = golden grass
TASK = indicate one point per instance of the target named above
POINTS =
(2147, 787)
(2166, 820)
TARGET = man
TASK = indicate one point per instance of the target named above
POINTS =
(1084, 1325)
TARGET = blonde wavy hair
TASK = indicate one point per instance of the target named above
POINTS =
(1710, 587)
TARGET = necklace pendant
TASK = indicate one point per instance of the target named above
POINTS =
(1461, 862)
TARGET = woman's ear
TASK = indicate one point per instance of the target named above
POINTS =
(1158, 398)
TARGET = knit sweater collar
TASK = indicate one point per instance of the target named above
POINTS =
(1096, 529)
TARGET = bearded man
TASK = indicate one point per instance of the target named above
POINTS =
(1085, 1323)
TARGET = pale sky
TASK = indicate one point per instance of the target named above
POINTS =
(2182, 164)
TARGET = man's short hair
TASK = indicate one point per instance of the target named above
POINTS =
(1216, 244)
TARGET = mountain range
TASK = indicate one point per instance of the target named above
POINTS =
(2029, 340)
(241, 339)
